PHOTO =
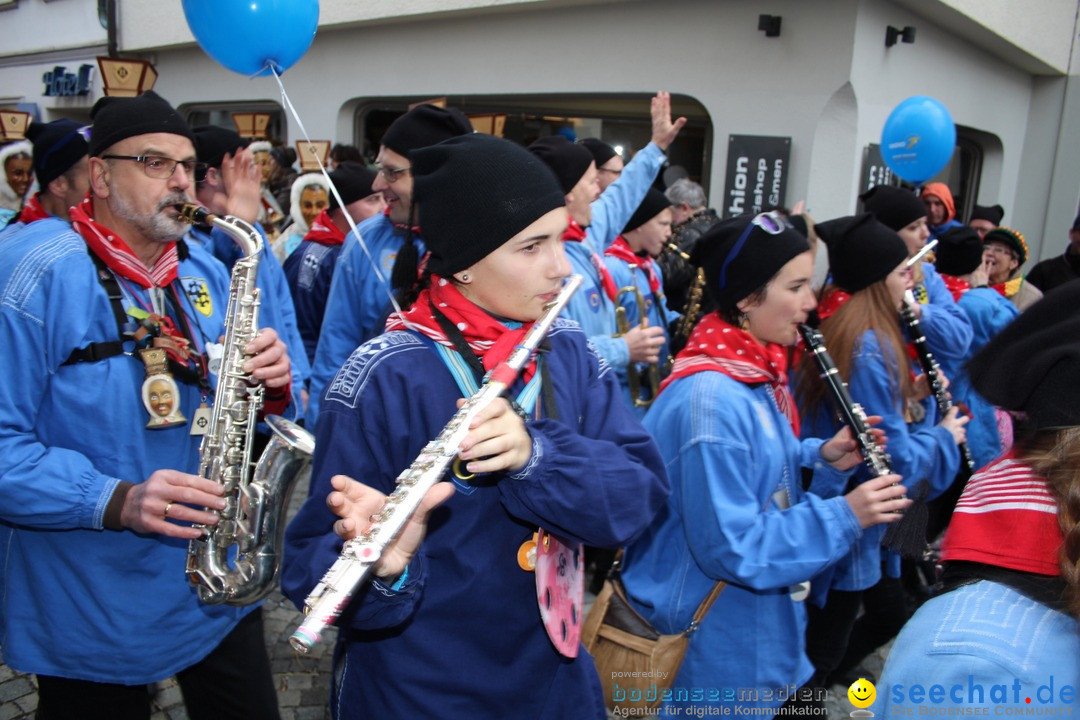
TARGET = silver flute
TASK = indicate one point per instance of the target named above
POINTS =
(333, 593)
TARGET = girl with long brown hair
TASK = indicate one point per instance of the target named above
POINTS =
(868, 262)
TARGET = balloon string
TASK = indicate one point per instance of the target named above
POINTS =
(337, 196)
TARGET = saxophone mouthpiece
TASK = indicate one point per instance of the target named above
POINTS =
(194, 214)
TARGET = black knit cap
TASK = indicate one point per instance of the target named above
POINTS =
(212, 143)
(58, 145)
(1032, 365)
(993, 213)
(652, 205)
(425, 125)
(118, 118)
(893, 207)
(959, 251)
(601, 151)
(567, 160)
(734, 269)
(475, 192)
(862, 251)
(353, 181)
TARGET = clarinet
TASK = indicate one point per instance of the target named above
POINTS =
(333, 593)
(851, 413)
(931, 368)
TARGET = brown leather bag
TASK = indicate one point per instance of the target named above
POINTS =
(635, 662)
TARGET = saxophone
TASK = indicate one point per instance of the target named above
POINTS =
(334, 592)
(252, 519)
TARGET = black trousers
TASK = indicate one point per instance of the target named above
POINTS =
(231, 683)
(828, 630)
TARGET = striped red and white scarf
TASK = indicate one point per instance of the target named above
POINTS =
(1006, 517)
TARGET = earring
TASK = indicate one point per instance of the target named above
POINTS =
(744, 322)
(465, 277)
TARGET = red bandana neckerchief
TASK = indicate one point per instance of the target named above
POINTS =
(487, 337)
(324, 231)
(33, 211)
(831, 302)
(956, 286)
(720, 346)
(116, 254)
(621, 250)
(576, 233)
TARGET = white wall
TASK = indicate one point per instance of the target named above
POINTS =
(40, 26)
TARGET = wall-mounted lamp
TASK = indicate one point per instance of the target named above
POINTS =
(251, 125)
(769, 24)
(906, 35)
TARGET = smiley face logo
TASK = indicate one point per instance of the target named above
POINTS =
(862, 693)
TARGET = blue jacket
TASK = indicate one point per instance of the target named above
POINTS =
(590, 306)
(983, 649)
(356, 305)
(945, 325)
(988, 313)
(79, 601)
(276, 305)
(309, 270)
(656, 311)
(462, 638)
(922, 452)
(737, 512)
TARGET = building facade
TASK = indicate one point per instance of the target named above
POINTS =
(813, 98)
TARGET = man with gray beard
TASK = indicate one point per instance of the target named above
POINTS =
(106, 328)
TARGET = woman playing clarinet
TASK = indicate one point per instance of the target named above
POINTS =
(869, 267)
(729, 434)
(451, 625)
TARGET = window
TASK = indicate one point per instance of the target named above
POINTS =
(220, 114)
(615, 119)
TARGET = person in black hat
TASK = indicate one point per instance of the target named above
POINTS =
(360, 295)
(596, 220)
(60, 166)
(1009, 595)
(862, 332)
(228, 184)
(728, 431)
(609, 164)
(1052, 272)
(946, 327)
(630, 260)
(985, 218)
(310, 268)
(493, 218)
(99, 494)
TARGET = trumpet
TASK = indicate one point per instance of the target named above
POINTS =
(651, 372)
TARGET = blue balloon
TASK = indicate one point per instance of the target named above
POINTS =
(918, 139)
(252, 36)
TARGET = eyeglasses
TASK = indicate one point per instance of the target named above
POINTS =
(161, 168)
(771, 222)
(999, 249)
(392, 175)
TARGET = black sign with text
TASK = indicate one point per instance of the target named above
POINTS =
(757, 171)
